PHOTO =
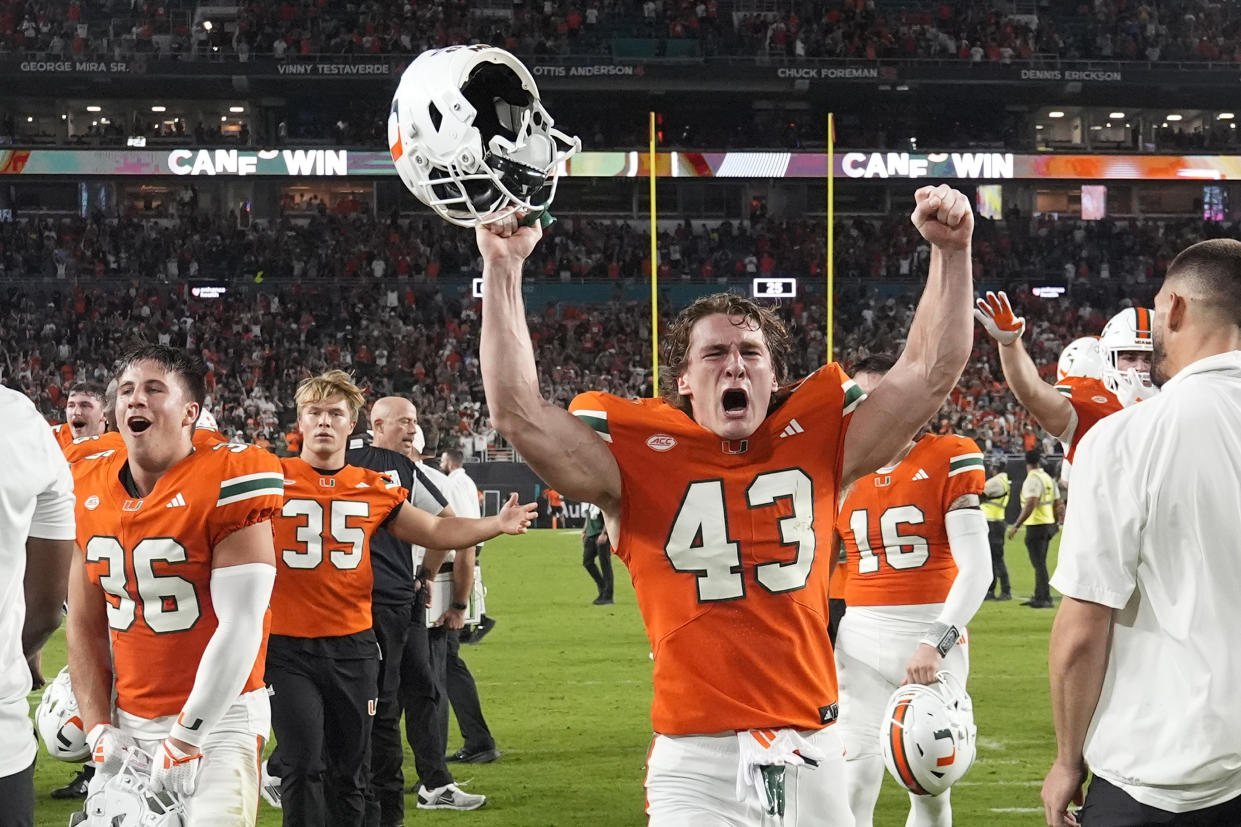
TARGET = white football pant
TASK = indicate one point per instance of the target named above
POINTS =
(691, 781)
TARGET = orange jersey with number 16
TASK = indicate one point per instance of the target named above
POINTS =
(892, 523)
(323, 548)
(729, 546)
(152, 557)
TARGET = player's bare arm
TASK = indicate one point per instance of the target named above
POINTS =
(90, 657)
(416, 526)
(560, 448)
(939, 339)
(1047, 405)
(45, 584)
(1077, 661)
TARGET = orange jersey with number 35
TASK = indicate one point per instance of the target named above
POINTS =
(892, 523)
(1092, 401)
(323, 548)
(729, 546)
(152, 557)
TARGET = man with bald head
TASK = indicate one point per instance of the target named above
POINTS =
(399, 617)
(1144, 659)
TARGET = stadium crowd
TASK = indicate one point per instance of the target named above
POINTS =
(374, 298)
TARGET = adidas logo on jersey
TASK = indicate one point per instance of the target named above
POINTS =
(921, 475)
(792, 429)
(176, 502)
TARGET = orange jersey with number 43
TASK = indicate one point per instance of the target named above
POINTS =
(892, 523)
(323, 548)
(152, 557)
(729, 546)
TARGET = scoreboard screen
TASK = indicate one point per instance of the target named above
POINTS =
(770, 288)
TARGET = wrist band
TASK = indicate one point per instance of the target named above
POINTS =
(461, 607)
(941, 637)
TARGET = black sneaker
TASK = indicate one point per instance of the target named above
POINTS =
(485, 625)
(1005, 596)
(77, 787)
(603, 601)
(989, 596)
(482, 756)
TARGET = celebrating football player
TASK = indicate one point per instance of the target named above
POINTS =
(719, 497)
(918, 568)
(322, 662)
(168, 594)
(83, 414)
(1080, 398)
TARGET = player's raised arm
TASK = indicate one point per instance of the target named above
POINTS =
(938, 345)
(562, 450)
(1051, 408)
(414, 525)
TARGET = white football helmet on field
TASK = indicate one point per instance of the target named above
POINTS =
(126, 800)
(928, 735)
(59, 723)
(1081, 357)
(1127, 331)
(470, 137)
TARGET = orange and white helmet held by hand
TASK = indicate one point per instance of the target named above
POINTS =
(59, 722)
(1128, 331)
(928, 737)
(470, 137)
(1081, 357)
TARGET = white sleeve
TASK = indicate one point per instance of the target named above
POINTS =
(240, 596)
(1070, 430)
(1032, 487)
(967, 539)
(53, 513)
(1102, 530)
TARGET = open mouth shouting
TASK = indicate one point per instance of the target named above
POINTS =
(137, 423)
(736, 402)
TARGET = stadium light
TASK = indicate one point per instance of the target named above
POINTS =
(224, 117)
(236, 109)
(1038, 126)
(29, 119)
(1225, 116)
(1055, 113)
(159, 108)
(1173, 117)
(207, 25)
(1117, 116)
(94, 109)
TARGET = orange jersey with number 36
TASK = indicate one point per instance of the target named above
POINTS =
(323, 548)
(729, 546)
(892, 523)
(152, 557)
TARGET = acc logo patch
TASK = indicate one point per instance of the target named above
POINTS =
(92, 502)
(661, 442)
(1100, 399)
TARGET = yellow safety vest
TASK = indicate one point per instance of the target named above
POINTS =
(1043, 513)
(994, 509)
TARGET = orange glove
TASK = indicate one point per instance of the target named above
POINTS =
(996, 316)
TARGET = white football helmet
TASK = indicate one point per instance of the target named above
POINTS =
(126, 800)
(59, 722)
(1128, 330)
(206, 421)
(928, 735)
(1081, 357)
(470, 138)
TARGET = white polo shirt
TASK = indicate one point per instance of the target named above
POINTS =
(36, 500)
(1152, 533)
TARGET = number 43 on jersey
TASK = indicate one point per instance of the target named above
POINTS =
(699, 542)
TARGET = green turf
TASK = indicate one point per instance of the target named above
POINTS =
(566, 689)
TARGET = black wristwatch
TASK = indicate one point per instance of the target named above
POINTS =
(461, 607)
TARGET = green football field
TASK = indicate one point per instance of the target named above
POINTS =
(566, 688)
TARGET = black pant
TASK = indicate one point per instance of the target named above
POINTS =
(999, 569)
(463, 695)
(420, 694)
(17, 793)
(600, 573)
(321, 713)
(386, 802)
(835, 613)
(1109, 806)
(1037, 539)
